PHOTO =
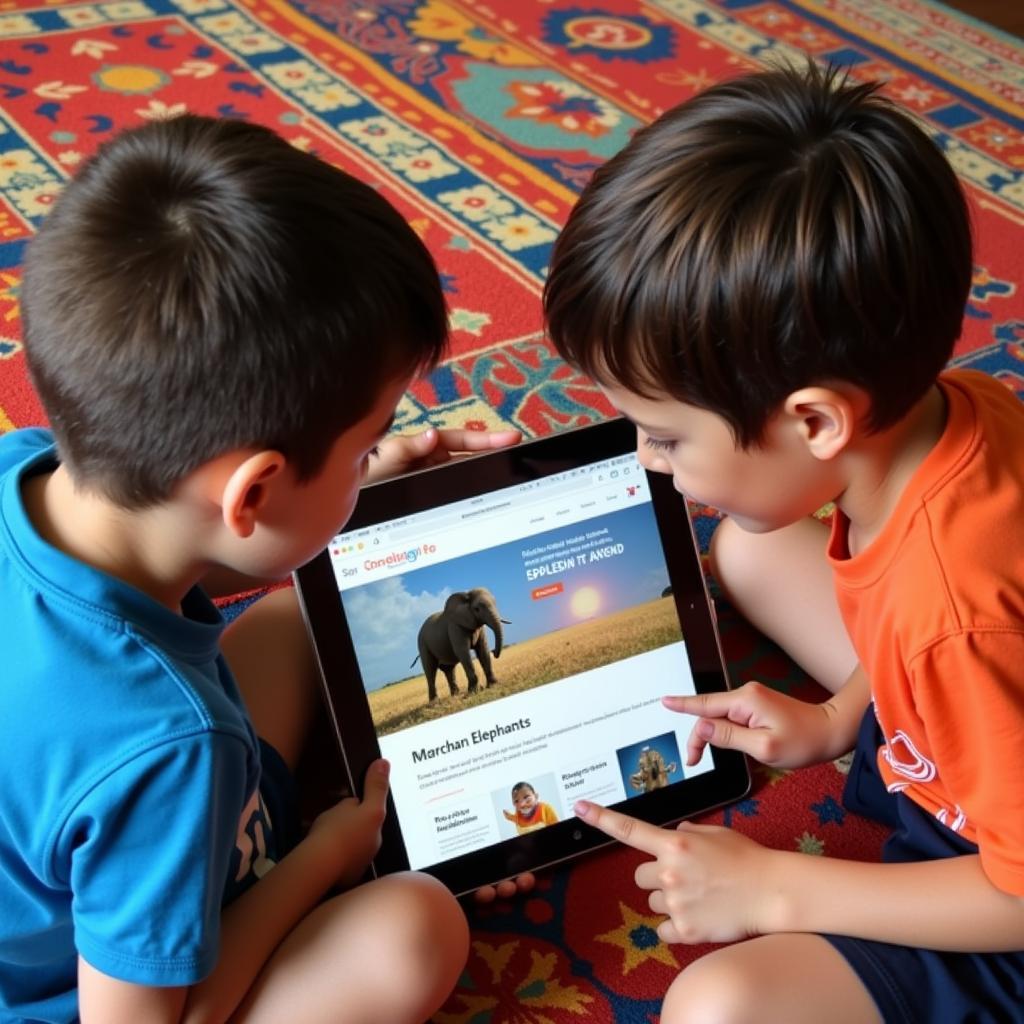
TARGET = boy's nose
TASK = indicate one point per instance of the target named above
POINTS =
(651, 460)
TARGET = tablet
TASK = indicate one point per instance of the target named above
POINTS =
(501, 629)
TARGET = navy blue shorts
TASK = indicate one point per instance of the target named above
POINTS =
(922, 986)
(277, 787)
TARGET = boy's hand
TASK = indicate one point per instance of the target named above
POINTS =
(713, 883)
(775, 729)
(432, 447)
(351, 828)
(505, 890)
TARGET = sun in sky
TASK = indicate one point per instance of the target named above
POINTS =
(585, 602)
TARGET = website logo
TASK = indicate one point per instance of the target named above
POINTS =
(407, 557)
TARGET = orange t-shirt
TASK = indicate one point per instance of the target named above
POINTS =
(935, 609)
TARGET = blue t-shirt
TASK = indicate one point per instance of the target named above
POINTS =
(128, 770)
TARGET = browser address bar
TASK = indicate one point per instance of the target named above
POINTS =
(485, 511)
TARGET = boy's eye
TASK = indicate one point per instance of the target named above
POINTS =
(374, 451)
(659, 446)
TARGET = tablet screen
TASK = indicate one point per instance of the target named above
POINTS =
(513, 646)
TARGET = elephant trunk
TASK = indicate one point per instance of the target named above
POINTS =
(490, 618)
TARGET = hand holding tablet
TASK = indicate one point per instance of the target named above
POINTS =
(513, 619)
(409, 452)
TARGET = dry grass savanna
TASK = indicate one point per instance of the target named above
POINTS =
(544, 659)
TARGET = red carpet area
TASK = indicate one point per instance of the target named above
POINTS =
(481, 121)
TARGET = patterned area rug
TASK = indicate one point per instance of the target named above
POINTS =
(481, 121)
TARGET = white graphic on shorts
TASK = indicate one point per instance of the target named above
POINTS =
(957, 824)
(915, 766)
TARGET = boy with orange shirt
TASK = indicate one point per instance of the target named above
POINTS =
(769, 281)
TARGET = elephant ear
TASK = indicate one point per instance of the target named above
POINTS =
(457, 609)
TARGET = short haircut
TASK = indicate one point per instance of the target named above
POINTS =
(520, 786)
(780, 229)
(203, 286)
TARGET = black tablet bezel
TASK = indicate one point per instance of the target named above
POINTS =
(467, 478)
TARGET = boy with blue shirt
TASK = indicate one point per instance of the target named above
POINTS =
(220, 328)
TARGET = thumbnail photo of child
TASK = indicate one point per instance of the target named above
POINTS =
(529, 812)
(650, 764)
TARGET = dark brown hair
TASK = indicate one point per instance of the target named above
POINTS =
(203, 286)
(778, 230)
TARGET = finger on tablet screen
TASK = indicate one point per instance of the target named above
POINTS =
(631, 831)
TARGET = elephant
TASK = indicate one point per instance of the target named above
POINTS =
(446, 638)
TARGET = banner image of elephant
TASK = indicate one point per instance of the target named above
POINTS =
(510, 618)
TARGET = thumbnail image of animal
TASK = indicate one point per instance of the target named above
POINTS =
(652, 772)
(447, 637)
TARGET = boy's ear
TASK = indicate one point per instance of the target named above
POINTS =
(246, 490)
(825, 418)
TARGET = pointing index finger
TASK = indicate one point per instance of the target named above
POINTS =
(641, 835)
(703, 705)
